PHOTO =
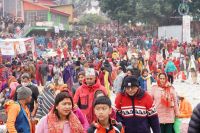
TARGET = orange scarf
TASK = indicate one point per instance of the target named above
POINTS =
(56, 126)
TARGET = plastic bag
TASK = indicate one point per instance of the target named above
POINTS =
(177, 125)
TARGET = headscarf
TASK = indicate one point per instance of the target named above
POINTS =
(166, 96)
(56, 126)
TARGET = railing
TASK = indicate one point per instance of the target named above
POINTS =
(23, 31)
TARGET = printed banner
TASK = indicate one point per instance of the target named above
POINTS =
(20, 47)
(7, 48)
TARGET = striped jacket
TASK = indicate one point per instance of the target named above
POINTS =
(45, 103)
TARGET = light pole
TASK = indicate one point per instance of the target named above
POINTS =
(183, 10)
(3, 8)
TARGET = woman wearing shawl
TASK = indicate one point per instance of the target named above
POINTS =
(61, 118)
(146, 80)
(193, 69)
(105, 79)
(165, 99)
(68, 75)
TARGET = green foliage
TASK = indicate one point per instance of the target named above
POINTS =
(156, 12)
(195, 9)
(121, 10)
(91, 19)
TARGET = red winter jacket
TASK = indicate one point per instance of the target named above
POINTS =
(84, 97)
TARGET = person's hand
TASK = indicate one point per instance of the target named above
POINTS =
(178, 116)
(34, 121)
(75, 106)
(57, 91)
(35, 105)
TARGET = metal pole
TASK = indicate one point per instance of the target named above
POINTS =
(182, 28)
(22, 11)
(16, 8)
(3, 8)
(183, 1)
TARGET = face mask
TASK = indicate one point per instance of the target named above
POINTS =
(24, 84)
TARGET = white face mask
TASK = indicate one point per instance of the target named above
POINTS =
(24, 84)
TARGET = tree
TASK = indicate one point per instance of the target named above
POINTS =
(154, 12)
(91, 19)
(122, 10)
(157, 12)
(195, 9)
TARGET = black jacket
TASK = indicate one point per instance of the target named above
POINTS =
(194, 125)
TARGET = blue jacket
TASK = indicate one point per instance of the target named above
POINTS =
(143, 83)
(21, 123)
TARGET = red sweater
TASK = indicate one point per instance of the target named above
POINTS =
(137, 113)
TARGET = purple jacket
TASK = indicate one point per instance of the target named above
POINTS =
(82, 118)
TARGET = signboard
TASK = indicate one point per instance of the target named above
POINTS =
(15, 46)
(45, 23)
(186, 29)
(7, 48)
(56, 28)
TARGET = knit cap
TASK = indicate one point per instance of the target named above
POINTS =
(130, 81)
(90, 72)
(23, 93)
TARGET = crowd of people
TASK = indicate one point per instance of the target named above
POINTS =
(73, 91)
(10, 26)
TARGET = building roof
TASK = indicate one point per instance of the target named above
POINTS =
(47, 8)
(46, 2)
(63, 5)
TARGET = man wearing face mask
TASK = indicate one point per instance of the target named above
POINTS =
(26, 82)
